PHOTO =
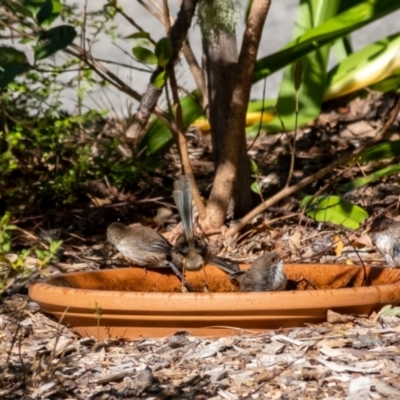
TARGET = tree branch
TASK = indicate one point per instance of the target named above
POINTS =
(318, 175)
(177, 36)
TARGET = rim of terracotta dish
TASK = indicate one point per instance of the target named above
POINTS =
(134, 315)
(195, 303)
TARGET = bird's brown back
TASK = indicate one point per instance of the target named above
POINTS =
(141, 244)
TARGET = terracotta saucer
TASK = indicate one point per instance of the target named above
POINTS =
(134, 302)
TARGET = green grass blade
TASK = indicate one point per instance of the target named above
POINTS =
(310, 14)
(380, 151)
(365, 180)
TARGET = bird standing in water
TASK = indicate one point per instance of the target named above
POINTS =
(190, 251)
(266, 274)
(385, 234)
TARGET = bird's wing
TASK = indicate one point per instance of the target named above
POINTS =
(150, 240)
(183, 200)
(158, 243)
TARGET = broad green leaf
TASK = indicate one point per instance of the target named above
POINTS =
(163, 51)
(365, 67)
(144, 55)
(255, 187)
(159, 80)
(139, 35)
(392, 83)
(311, 69)
(335, 210)
(10, 56)
(11, 72)
(49, 11)
(365, 180)
(380, 151)
(329, 31)
(12, 63)
(53, 40)
(158, 138)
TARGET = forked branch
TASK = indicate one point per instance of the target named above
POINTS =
(226, 173)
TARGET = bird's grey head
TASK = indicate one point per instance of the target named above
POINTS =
(269, 258)
(115, 232)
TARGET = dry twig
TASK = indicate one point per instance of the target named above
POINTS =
(318, 175)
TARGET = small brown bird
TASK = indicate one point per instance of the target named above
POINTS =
(143, 245)
(385, 234)
(190, 251)
(266, 274)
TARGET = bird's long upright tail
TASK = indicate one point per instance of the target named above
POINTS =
(183, 201)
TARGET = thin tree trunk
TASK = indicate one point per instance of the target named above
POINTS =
(221, 67)
(229, 165)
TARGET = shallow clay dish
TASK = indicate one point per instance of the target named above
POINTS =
(134, 302)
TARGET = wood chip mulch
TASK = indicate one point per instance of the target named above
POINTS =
(354, 357)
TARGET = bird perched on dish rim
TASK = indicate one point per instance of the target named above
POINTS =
(266, 274)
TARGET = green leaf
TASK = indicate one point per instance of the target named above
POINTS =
(342, 49)
(389, 311)
(12, 63)
(253, 166)
(144, 55)
(329, 31)
(33, 5)
(335, 210)
(157, 140)
(17, 8)
(25, 40)
(139, 35)
(11, 72)
(10, 56)
(163, 51)
(53, 40)
(49, 11)
(365, 180)
(365, 67)
(390, 84)
(310, 72)
(381, 151)
(255, 187)
(159, 80)
(39, 253)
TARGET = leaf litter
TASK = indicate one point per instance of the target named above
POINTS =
(347, 357)
(353, 357)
